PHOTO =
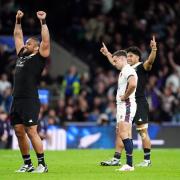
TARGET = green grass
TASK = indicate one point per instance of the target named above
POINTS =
(84, 165)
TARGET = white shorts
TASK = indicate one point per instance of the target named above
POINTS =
(126, 111)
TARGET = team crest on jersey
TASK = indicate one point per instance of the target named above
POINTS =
(21, 60)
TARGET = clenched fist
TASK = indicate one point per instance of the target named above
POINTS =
(41, 15)
(19, 14)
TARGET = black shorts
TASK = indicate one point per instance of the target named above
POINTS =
(142, 113)
(25, 111)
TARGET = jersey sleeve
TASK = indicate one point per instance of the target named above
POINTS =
(129, 72)
(141, 69)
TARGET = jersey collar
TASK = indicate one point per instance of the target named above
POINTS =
(135, 65)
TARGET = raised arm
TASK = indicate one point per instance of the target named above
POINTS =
(106, 53)
(45, 43)
(18, 34)
(149, 62)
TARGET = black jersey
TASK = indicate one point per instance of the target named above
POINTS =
(27, 75)
(142, 80)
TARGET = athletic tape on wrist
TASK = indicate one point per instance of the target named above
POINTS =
(43, 21)
(18, 21)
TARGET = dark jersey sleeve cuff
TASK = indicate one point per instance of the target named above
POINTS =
(129, 76)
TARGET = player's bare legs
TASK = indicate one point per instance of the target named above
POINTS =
(146, 142)
(35, 139)
(119, 146)
(24, 148)
(37, 145)
(22, 139)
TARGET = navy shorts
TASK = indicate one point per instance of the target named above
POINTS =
(25, 111)
(142, 113)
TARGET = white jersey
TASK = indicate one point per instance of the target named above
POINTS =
(125, 73)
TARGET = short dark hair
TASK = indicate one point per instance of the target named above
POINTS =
(120, 53)
(135, 50)
(36, 39)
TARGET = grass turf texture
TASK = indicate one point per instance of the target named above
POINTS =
(84, 165)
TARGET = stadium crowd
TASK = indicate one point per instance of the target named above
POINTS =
(90, 97)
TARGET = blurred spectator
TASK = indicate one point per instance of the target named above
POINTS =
(51, 115)
(6, 99)
(168, 102)
(82, 27)
(173, 81)
(46, 79)
(82, 109)
(60, 108)
(153, 100)
(111, 112)
(174, 78)
(71, 82)
(4, 130)
(69, 115)
(107, 6)
(103, 120)
(42, 126)
(4, 83)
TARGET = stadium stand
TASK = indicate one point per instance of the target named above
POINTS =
(80, 28)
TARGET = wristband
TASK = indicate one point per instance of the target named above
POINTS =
(154, 49)
(43, 21)
(18, 21)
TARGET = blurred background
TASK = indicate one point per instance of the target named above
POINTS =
(78, 86)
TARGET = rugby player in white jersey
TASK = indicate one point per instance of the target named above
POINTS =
(125, 100)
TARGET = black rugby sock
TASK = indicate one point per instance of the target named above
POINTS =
(147, 153)
(27, 159)
(40, 158)
(117, 155)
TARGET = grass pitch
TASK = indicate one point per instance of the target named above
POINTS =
(84, 165)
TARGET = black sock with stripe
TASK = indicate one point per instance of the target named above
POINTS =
(40, 158)
(117, 155)
(27, 159)
(147, 154)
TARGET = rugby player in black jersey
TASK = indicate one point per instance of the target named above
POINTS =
(25, 108)
(141, 117)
